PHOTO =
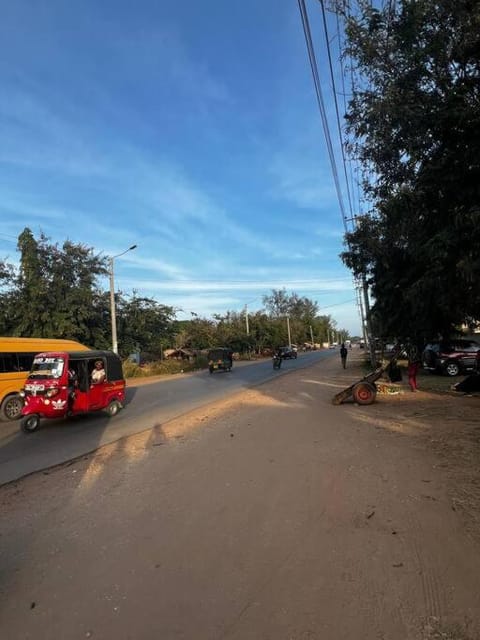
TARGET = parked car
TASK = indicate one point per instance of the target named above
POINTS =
(287, 353)
(451, 357)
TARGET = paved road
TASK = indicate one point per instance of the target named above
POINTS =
(147, 405)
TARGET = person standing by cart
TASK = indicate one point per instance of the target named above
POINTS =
(343, 355)
(413, 361)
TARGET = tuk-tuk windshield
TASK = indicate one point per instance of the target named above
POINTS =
(47, 368)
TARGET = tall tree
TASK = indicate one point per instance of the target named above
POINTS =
(415, 119)
(144, 324)
(280, 303)
(55, 289)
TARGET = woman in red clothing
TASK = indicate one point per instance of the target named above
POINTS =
(413, 366)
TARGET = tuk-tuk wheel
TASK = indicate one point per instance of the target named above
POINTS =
(113, 408)
(30, 423)
(364, 393)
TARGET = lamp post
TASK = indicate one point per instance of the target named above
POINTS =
(112, 298)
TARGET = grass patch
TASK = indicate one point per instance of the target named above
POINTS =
(163, 367)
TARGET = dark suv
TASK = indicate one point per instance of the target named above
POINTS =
(289, 352)
(451, 357)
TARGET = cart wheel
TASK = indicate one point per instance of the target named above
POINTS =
(364, 393)
(113, 408)
(30, 423)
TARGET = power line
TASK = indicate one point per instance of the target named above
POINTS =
(334, 89)
(338, 304)
(321, 106)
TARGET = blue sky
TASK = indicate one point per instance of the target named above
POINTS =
(190, 129)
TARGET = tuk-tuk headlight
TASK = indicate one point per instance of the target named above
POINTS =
(21, 393)
(51, 392)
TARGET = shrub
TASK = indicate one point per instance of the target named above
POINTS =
(163, 367)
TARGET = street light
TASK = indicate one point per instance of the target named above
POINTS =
(112, 298)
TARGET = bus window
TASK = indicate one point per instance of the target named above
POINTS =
(8, 362)
(25, 361)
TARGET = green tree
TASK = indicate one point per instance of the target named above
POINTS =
(53, 292)
(143, 324)
(415, 121)
(199, 333)
(303, 317)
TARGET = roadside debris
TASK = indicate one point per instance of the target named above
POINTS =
(470, 384)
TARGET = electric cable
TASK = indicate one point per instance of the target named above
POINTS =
(334, 89)
(321, 105)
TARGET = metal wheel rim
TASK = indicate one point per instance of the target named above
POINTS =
(13, 403)
(113, 409)
(452, 369)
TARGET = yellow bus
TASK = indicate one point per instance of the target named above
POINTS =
(16, 357)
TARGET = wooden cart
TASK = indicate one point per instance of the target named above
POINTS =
(365, 391)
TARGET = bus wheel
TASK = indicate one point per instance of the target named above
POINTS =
(113, 408)
(30, 423)
(11, 408)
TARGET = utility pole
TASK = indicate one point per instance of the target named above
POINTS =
(371, 344)
(246, 320)
(288, 329)
(113, 315)
(311, 337)
(362, 314)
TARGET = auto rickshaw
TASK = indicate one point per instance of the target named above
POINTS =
(220, 358)
(64, 384)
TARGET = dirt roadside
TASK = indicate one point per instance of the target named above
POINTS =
(271, 515)
(442, 419)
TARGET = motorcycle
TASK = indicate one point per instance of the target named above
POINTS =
(277, 361)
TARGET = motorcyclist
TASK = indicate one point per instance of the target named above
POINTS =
(277, 358)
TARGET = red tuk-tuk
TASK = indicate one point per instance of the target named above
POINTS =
(64, 384)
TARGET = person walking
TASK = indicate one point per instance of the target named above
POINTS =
(343, 355)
